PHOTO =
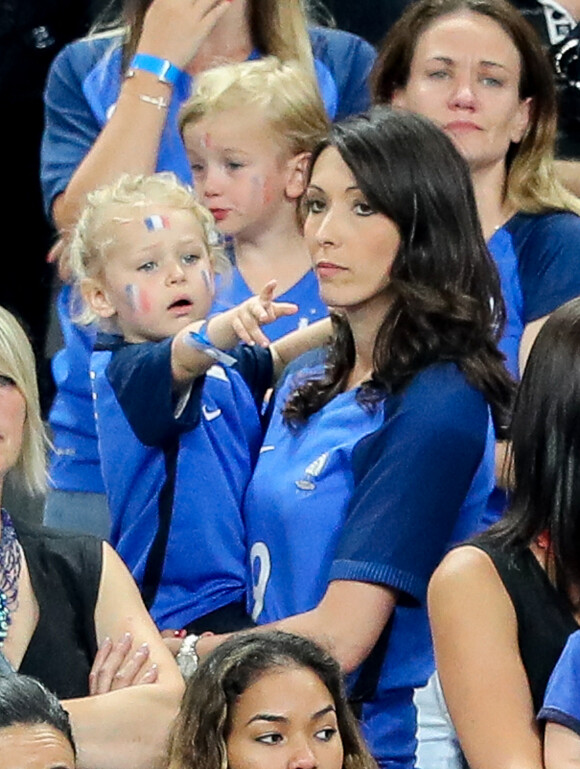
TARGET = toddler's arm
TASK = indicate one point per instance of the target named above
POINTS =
(224, 331)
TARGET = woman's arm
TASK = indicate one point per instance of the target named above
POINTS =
(128, 727)
(172, 30)
(476, 648)
(561, 747)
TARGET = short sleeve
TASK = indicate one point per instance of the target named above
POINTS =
(141, 378)
(548, 248)
(412, 477)
(562, 699)
(71, 128)
(255, 366)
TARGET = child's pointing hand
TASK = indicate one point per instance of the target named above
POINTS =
(256, 312)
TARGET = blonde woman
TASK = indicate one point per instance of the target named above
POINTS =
(62, 596)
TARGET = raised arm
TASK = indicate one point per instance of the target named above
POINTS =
(476, 648)
(173, 30)
(223, 332)
(128, 727)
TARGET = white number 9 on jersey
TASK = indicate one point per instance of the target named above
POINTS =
(260, 575)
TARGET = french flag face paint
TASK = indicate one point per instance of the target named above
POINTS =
(138, 300)
(157, 222)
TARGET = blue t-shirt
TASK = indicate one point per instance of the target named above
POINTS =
(562, 699)
(82, 88)
(175, 484)
(372, 496)
(537, 259)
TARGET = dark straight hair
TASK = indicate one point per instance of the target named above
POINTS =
(545, 434)
(446, 302)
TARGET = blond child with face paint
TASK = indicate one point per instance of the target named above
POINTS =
(177, 409)
(248, 130)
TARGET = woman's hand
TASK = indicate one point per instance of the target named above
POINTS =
(117, 666)
(175, 29)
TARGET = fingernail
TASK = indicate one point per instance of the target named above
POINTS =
(143, 648)
(127, 637)
(180, 633)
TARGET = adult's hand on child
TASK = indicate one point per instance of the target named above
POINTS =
(175, 29)
(117, 666)
(258, 311)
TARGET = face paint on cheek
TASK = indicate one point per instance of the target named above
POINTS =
(208, 280)
(261, 189)
(138, 299)
(157, 222)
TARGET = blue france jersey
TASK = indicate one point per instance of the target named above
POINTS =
(178, 480)
(537, 260)
(372, 496)
(562, 698)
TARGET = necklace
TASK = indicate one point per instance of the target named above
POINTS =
(10, 566)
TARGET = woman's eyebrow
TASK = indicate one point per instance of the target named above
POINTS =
(270, 717)
(323, 712)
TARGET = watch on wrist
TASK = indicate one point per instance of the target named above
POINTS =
(187, 657)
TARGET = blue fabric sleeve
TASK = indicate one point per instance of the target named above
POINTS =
(255, 366)
(350, 60)
(71, 128)
(141, 377)
(411, 479)
(548, 248)
(562, 698)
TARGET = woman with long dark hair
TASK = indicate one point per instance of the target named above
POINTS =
(503, 605)
(112, 101)
(379, 459)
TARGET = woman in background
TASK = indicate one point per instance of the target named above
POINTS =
(503, 606)
(63, 596)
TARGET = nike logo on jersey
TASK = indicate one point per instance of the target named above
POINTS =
(210, 415)
(264, 449)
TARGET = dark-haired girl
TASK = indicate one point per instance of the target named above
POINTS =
(267, 701)
(376, 461)
(502, 606)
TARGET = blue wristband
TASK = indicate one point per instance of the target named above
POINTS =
(166, 71)
(199, 340)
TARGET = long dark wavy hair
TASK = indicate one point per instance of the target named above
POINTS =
(445, 299)
(200, 733)
(545, 459)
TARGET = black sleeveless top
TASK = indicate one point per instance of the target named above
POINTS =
(65, 572)
(543, 615)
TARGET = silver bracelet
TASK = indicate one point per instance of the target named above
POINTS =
(156, 101)
(187, 658)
